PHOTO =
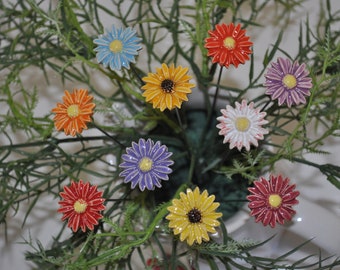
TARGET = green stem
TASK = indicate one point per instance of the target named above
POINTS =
(123, 249)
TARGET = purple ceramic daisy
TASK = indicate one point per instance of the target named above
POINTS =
(288, 82)
(146, 163)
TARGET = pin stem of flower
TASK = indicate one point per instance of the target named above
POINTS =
(191, 168)
(179, 118)
(168, 121)
(108, 135)
(216, 93)
(265, 105)
(134, 70)
(212, 108)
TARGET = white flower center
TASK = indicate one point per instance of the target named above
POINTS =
(289, 81)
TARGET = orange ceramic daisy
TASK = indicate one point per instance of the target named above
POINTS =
(81, 205)
(228, 45)
(168, 87)
(75, 111)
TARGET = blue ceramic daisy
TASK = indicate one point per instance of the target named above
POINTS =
(117, 48)
(145, 164)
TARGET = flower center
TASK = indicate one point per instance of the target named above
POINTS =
(116, 46)
(80, 206)
(229, 43)
(145, 164)
(275, 200)
(167, 86)
(242, 124)
(194, 215)
(289, 81)
(73, 110)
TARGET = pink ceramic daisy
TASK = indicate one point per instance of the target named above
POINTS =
(288, 82)
(271, 201)
(242, 126)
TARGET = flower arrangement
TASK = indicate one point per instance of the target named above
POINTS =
(127, 155)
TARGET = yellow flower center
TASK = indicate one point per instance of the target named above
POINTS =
(145, 164)
(275, 200)
(73, 110)
(80, 206)
(116, 46)
(289, 81)
(229, 43)
(242, 124)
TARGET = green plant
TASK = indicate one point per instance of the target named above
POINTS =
(56, 40)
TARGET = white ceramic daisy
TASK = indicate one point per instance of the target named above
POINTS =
(242, 126)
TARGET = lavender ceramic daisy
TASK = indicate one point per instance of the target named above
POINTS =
(288, 82)
(117, 48)
(145, 164)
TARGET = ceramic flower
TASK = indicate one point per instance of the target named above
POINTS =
(168, 87)
(145, 164)
(228, 45)
(193, 216)
(242, 126)
(74, 113)
(117, 48)
(288, 82)
(81, 205)
(271, 201)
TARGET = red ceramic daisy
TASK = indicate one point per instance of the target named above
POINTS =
(228, 45)
(81, 205)
(271, 201)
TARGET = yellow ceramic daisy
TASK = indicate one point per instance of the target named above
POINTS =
(193, 216)
(168, 87)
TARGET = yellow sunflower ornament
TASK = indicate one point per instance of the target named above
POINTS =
(193, 216)
(168, 87)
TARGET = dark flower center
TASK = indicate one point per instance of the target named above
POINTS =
(167, 86)
(194, 215)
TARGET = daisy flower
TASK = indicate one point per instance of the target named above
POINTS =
(271, 201)
(75, 111)
(117, 48)
(168, 87)
(81, 205)
(228, 45)
(193, 216)
(288, 82)
(242, 126)
(146, 163)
